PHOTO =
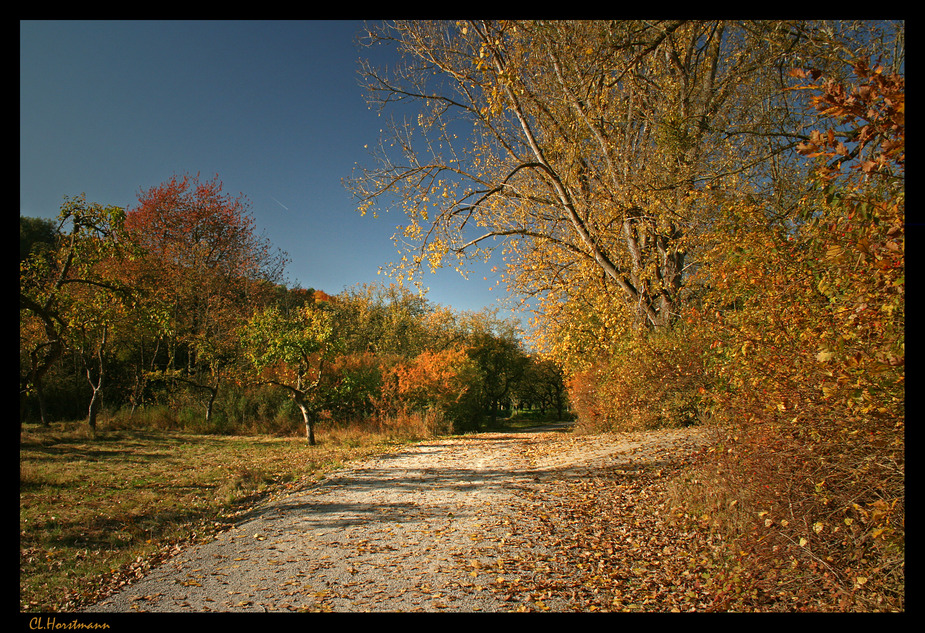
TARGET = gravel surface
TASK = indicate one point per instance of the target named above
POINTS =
(422, 529)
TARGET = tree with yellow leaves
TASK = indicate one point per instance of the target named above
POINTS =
(581, 150)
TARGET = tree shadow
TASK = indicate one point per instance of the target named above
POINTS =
(418, 494)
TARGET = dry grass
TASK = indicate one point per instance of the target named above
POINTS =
(96, 512)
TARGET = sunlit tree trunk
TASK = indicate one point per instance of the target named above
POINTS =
(96, 365)
(308, 417)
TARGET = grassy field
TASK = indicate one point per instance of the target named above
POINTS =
(96, 513)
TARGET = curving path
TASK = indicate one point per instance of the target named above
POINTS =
(416, 530)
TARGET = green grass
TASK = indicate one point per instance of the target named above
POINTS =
(96, 512)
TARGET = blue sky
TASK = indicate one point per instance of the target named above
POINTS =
(109, 108)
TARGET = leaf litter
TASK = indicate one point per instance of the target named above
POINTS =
(534, 521)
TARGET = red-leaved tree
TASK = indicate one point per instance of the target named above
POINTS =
(207, 266)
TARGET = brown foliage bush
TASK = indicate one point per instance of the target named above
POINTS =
(796, 350)
(808, 376)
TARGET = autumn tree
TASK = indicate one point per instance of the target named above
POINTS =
(440, 383)
(584, 151)
(384, 319)
(294, 351)
(40, 340)
(805, 322)
(207, 265)
(72, 295)
(542, 385)
(493, 344)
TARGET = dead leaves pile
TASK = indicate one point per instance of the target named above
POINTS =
(605, 541)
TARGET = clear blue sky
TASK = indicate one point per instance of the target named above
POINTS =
(109, 108)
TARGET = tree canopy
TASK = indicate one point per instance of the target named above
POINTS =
(584, 152)
(178, 303)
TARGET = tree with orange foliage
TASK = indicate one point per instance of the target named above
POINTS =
(434, 380)
(806, 314)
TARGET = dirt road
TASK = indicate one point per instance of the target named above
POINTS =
(427, 528)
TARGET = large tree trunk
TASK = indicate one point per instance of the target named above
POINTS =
(655, 299)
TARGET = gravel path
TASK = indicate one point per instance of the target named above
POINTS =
(416, 530)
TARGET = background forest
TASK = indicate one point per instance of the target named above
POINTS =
(173, 315)
(707, 219)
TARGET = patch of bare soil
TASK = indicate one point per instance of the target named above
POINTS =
(540, 520)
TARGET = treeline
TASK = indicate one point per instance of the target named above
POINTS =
(709, 216)
(175, 314)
